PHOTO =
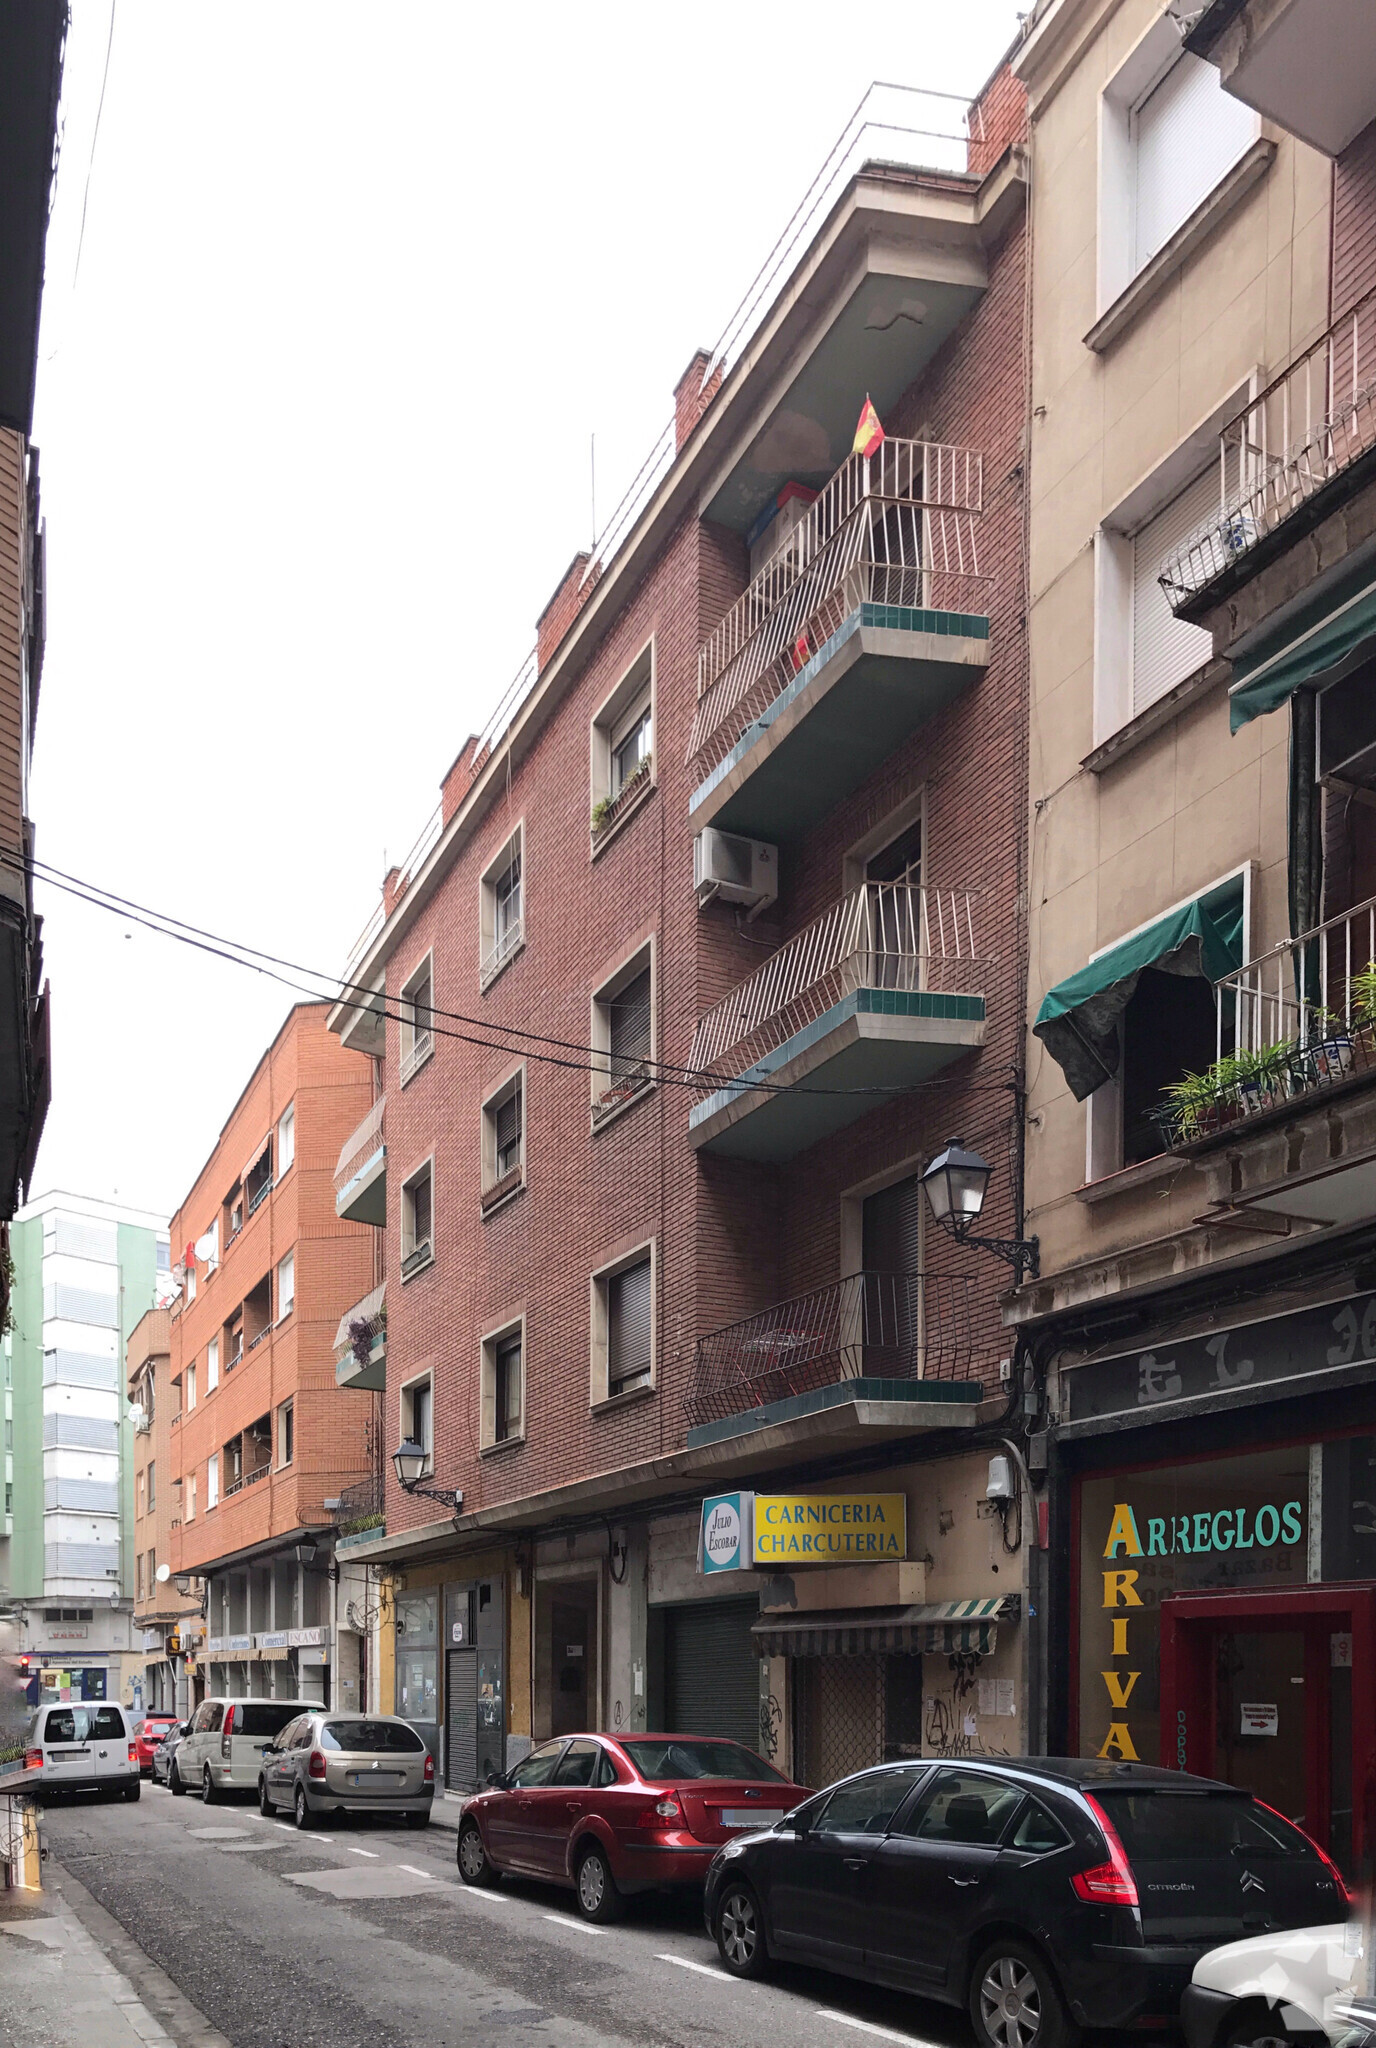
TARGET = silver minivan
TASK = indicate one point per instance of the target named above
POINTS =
(221, 1753)
(348, 1763)
(87, 1746)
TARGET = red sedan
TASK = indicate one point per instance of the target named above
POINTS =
(610, 1815)
(148, 1735)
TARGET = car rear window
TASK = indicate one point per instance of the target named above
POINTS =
(385, 1737)
(261, 1717)
(84, 1724)
(1170, 1827)
(670, 1761)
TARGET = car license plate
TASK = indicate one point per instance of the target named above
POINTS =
(744, 1816)
(376, 1778)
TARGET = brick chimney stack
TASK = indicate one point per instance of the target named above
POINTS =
(692, 397)
(563, 608)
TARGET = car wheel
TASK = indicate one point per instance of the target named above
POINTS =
(133, 1791)
(1258, 2026)
(209, 1796)
(304, 1817)
(740, 1932)
(595, 1887)
(474, 1867)
(174, 1783)
(1015, 2001)
(266, 1805)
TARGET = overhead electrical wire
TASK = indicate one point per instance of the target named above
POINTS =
(332, 989)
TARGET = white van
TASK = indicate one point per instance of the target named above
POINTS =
(224, 1749)
(87, 1746)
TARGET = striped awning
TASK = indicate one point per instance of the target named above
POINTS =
(938, 1628)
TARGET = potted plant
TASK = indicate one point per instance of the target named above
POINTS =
(1361, 991)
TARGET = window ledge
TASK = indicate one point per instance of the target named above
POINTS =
(1130, 736)
(1144, 1174)
(421, 1266)
(508, 1443)
(493, 971)
(626, 1400)
(411, 1065)
(503, 1191)
(633, 800)
(602, 1116)
(1172, 257)
(285, 1316)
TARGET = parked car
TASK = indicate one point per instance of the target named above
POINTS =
(614, 1815)
(221, 1751)
(88, 1746)
(166, 1750)
(148, 1733)
(1302, 1988)
(347, 1763)
(1043, 1895)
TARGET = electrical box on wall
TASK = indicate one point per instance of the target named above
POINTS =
(736, 870)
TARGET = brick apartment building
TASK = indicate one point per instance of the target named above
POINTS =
(1203, 636)
(756, 811)
(263, 1443)
(166, 1610)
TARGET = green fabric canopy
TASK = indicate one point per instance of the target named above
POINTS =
(1308, 648)
(1079, 1018)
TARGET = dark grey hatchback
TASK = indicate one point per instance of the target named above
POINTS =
(1044, 1894)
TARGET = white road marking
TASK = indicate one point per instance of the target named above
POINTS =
(703, 1969)
(364, 1852)
(845, 2019)
(409, 1868)
(567, 1920)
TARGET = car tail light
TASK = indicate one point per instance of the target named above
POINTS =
(33, 1759)
(429, 1768)
(665, 1813)
(316, 1767)
(1111, 1883)
(226, 1732)
(1327, 1861)
(133, 1752)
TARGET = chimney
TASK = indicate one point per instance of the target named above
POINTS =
(692, 397)
(459, 779)
(575, 589)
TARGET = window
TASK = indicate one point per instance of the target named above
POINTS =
(623, 747)
(503, 1139)
(212, 1365)
(578, 1765)
(965, 1806)
(212, 1481)
(191, 1384)
(622, 1037)
(286, 1139)
(1037, 1831)
(417, 1417)
(417, 1221)
(286, 1432)
(258, 1179)
(286, 1286)
(142, 1493)
(191, 1498)
(501, 895)
(152, 1485)
(538, 1767)
(623, 1326)
(503, 1387)
(152, 1571)
(417, 1042)
(142, 1576)
(1165, 649)
(190, 1283)
(866, 1805)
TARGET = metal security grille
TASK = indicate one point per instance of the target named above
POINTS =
(839, 1703)
(629, 1328)
(712, 1670)
(461, 1720)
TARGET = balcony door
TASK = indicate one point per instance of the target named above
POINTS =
(890, 1342)
(893, 881)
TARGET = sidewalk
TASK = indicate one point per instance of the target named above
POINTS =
(447, 1810)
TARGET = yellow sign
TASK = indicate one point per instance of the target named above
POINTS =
(830, 1528)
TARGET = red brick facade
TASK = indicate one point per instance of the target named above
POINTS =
(1354, 223)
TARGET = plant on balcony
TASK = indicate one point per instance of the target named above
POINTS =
(1361, 991)
(606, 807)
(363, 1332)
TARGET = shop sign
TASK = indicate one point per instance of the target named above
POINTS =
(237, 1645)
(724, 1536)
(1230, 1528)
(214, 1645)
(74, 1632)
(304, 1638)
(830, 1528)
(1340, 1650)
(1255, 1354)
(1259, 1717)
(277, 1640)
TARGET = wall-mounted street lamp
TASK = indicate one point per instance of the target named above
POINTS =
(956, 1182)
(409, 1461)
(306, 1551)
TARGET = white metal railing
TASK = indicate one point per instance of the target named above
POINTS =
(883, 936)
(359, 1147)
(1311, 423)
(415, 1053)
(1301, 993)
(895, 528)
(500, 951)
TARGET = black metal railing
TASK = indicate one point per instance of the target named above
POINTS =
(867, 1326)
(361, 1504)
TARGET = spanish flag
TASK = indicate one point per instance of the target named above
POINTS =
(869, 435)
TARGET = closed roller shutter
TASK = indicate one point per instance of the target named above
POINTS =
(1165, 649)
(461, 1720)
(712, 1671)
(1187, 133)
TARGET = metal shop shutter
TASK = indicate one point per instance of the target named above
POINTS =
(1187, 133)
(1165, 649)
(712, 1670)
(461, 1720)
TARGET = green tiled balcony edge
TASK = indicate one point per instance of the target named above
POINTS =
(359, 1536)
(902, 618)
(918, 1393)
(874, 1002)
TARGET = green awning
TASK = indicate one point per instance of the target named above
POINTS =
(1308, 648)
(1079, 1018)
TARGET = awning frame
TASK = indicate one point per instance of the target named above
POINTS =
(941, 1628)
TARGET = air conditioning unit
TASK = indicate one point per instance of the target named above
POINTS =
(737, 870)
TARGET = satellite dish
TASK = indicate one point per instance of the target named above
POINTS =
(163, 1574)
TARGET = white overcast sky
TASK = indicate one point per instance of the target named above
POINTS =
(357, 283)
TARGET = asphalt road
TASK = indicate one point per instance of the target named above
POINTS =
(365, 1937)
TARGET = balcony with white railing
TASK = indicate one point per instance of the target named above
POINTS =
(360, 1343)
(360, 1178)
(1284, 462)
(869, 618)
(882, 991)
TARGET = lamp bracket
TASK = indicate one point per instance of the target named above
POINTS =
(1021, 1253)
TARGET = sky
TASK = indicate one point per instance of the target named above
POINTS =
(317, 381)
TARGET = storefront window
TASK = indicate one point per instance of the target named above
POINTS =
(417, 1656)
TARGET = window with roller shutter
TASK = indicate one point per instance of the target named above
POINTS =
(629, 1329)
(1186, 136)
(1165, 649)
(503, 1142)
(623, 1037)
(508, 1134)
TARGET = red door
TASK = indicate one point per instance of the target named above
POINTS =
(1271, 1691)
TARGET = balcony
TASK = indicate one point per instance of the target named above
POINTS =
(885, 1350)
(879, 993)
(360, 1343)
(360, 1178)
(864, 624)
(1309, 65)
(1285, 461)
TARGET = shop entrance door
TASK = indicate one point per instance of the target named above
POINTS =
(1257, 1689)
